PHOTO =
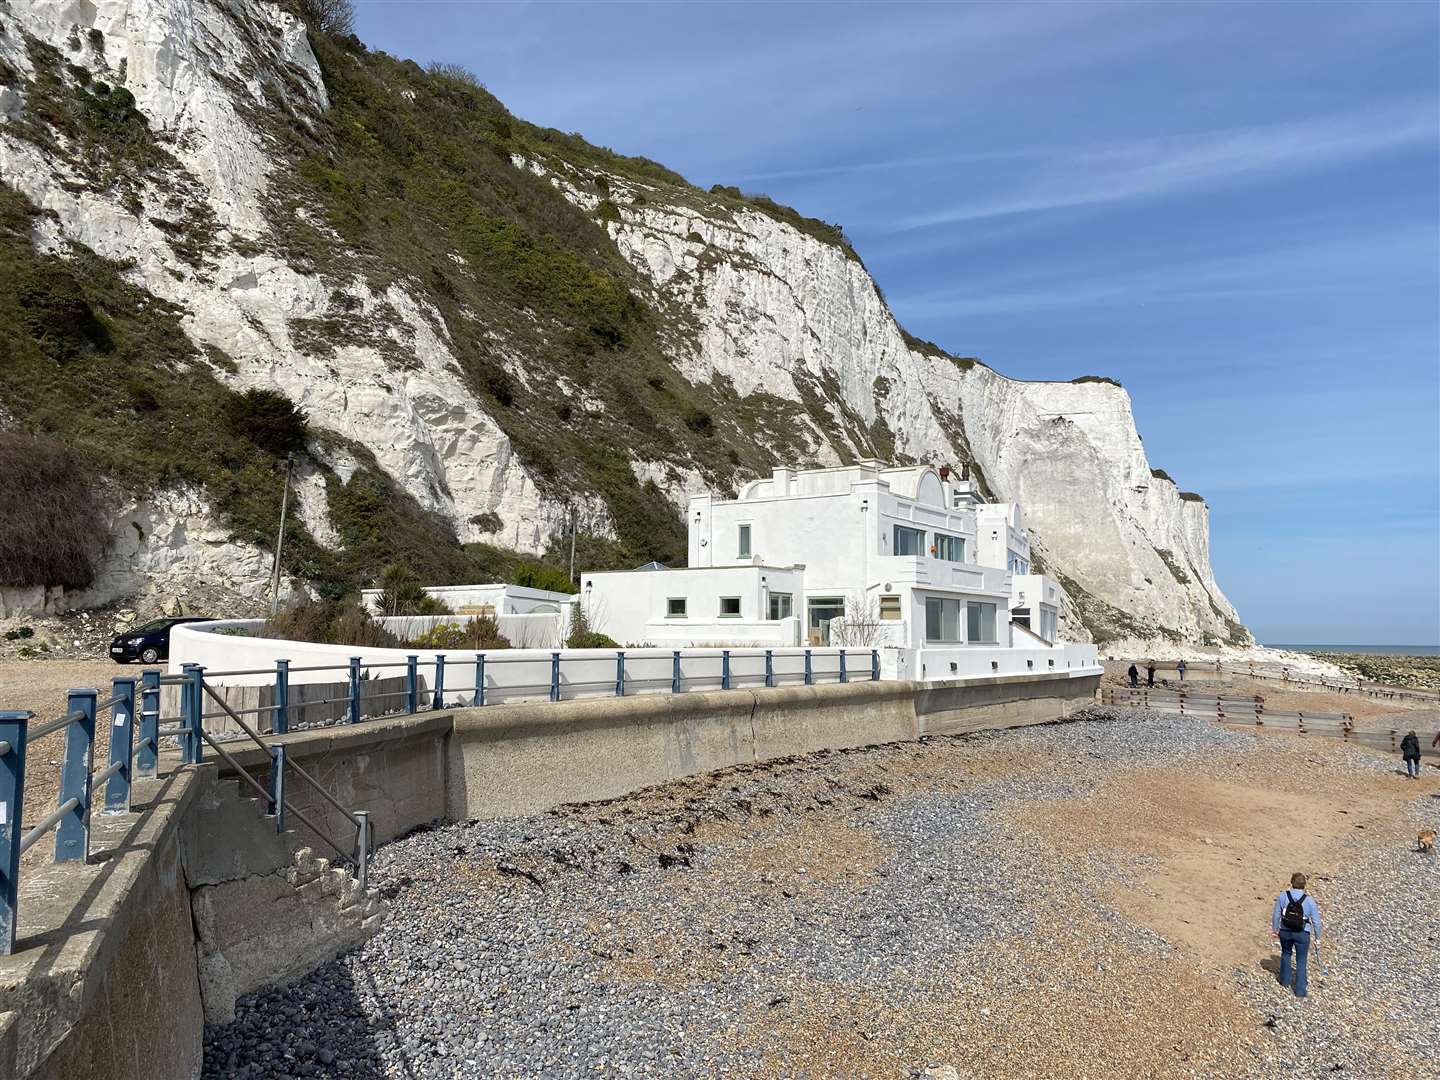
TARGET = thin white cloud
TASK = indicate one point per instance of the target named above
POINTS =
(1156, 167)
(1334, 263)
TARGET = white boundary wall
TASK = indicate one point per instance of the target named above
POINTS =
(524, 674)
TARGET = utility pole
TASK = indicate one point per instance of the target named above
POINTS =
(279, 542)
(572, 543)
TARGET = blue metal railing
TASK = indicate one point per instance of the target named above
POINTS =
(136, 728)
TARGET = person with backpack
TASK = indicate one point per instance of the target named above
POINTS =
(1150, 673)
(1134, 674)
(1410, 751)
(1180, 667)
(1296, 922)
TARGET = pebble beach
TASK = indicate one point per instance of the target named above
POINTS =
(1084, 898)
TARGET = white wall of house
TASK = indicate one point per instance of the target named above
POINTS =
(470, 599)
(698, 605)
(1003, 538)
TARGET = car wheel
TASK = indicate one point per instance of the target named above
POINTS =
(149, 655)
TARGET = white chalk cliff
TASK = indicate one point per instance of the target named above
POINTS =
(772, 309)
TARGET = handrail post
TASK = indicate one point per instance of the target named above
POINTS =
(72, 835)
(412, 683)
(362, 849)
(13, 725)
(724, 669)
(122, 745)
(874, 665)
(280, 724)
(809, 670)
(277, 785)
(192, 702)
(479, 678)
(352, 701)
(147, 759)
(554, 676)
(844, 676)
(438, 700)
(675, 671)
(620, 673)
(769, 667)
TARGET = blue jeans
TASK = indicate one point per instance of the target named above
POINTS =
(1412, 766)
(1300, 942)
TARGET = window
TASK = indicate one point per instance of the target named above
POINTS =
(729, 607)
(908, 541)
(744, 543)
(782, 605)
(942, 619)
(980, 622)
(950, 548)
(675, 607)
(890, 608)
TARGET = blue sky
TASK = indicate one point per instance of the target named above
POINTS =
(1234, 209)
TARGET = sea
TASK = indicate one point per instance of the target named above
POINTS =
(1374, 650)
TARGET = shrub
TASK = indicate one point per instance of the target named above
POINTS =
(550, 578)
(477, 632)
(488, 522)
(1096, 379)
(402, 594)
(269, 419)
(1161, 474)
(583, 636)
(54, 529)
(333, 17)
(328, 622)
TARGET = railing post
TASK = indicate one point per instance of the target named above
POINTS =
(554, 676)
(844, 677)
(147, 758)
(479, 678)
(352, 695)
(277, 785)
(675, 672)
(192, 706)
(122, 745)
(72, 835)
(769, 668)
(362, 849)
(874, 665)
(724, 669)
(437, 701)
(13, 727)
(281, 722)
(620, 673)
(809, 670)
(412, 683)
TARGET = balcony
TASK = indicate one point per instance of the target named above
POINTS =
(923, 570)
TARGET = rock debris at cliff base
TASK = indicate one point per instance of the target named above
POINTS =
(1001, 905)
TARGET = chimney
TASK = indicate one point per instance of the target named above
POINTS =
(780, 480)
(944, 472)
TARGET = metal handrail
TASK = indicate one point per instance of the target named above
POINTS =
(52, 727)
(109, 771)
(50, 821)
(264, 746)
(266, 794)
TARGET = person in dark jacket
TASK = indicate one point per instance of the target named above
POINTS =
(1134, 674)
(1410, 751)
(1150, 673)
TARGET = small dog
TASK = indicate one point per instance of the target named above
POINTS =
(1426, 840)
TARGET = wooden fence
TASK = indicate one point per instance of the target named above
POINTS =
(1251, 713)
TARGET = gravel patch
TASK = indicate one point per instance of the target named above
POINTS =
(881, 912)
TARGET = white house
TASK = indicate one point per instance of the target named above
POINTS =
(861, 555)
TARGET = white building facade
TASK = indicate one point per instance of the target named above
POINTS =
(902, 559)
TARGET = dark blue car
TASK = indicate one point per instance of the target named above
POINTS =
(149, 643)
